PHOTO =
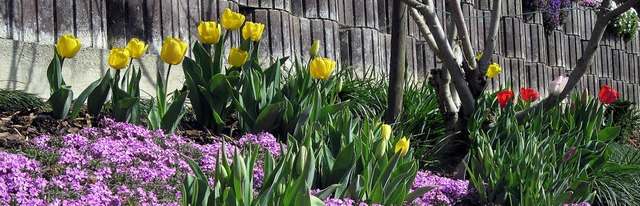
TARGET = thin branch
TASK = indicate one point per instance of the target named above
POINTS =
(428, 11)
(490, 42)
(584, 62)
(476, 79)
(422, 26)
(463, 33)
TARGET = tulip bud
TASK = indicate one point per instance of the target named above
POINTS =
(231, 20)
(339, 86)
(222, 174)
(280, 189)
(68, 46)
(237, 57)
(479, 56)
(386, 132)
(321, 68)
(313, 51)
(568, 154)
(493, 70)
(402, 146)
(209, 32)
(382, 148)
(557, 85)
(173, 51)
(240, 168)
(252, 31)
(301, 159)
(136, 48)
(585, 95)
(118, 58)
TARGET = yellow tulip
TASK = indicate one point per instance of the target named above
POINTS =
(252, 30)
(321, 68)
(313, 51)
(479, 56)
(173, 50)
(209, 32)
(402, 146)
(493, 70)
(119, 58)
(231, 20)
(136, 48)
(237, 57)
(68, 46)
(386, 132)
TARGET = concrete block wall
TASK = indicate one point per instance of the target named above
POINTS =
(355, 33)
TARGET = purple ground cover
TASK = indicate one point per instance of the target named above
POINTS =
(123, 164)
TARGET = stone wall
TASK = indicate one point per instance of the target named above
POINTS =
(354, 32)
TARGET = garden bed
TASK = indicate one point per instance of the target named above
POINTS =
(120, 164)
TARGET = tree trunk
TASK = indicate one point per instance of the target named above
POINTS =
(397, 64)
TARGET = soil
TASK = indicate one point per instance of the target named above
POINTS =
(18, 127)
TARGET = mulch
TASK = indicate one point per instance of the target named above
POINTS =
(18, 127)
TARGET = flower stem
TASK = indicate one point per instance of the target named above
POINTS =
(166, 81)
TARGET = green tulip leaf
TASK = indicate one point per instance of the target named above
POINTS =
(268, 118)
(609, 133)
(60, 102)
(98, 96)
(77, 105)
(174, 114)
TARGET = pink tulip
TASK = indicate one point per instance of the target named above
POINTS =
(557, 85)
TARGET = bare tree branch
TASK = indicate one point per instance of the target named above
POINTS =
(490, 42)
(584, 62)
(428, 11)
(476, 79)
(463, 33)
(422, 26)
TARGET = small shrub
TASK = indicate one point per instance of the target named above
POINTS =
(624, 114)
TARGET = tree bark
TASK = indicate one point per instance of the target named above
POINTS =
(397, 62)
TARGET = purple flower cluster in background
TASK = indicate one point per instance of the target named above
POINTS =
(554, 12)
(115, 164)
(590, 3)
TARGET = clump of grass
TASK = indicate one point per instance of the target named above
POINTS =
(619, 182)
(16, 100)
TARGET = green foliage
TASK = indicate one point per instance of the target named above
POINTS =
(283, 184)
(618, 183)
(307, 100)
(548, 159)
(61, 94)
(210, 90)
(16, 99)
(368, 95)
(624, 114)
(347, 158)
(125, 96)
(260, 102)
(164, 114)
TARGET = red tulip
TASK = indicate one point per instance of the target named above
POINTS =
(608, 95)
(528, 94)
(504, 97)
